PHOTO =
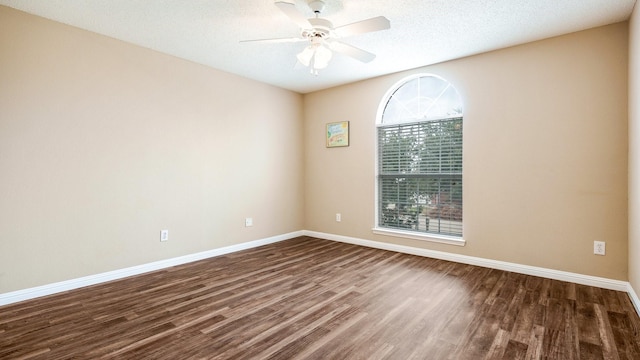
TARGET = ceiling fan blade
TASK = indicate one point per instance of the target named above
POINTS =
(276, 40)
(364, 26)
(352, 51)
(290, 10)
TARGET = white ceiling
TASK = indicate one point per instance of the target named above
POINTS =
(422, 32)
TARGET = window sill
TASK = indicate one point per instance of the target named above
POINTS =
(442, 239)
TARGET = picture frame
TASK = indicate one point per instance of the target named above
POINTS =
(337, 134)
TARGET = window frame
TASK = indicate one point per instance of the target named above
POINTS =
(388, 231)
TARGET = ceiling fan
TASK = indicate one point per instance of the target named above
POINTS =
(322, 36)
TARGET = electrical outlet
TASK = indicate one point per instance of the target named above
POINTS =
(248, 222)
(599, 247)
(338, 217)
(164, 235)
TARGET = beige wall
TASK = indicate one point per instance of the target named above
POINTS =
(634, 150)
(103, 144)
(545, 154)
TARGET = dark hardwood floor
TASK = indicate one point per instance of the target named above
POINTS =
(308, 298)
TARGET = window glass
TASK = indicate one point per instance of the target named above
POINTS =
(420, 158)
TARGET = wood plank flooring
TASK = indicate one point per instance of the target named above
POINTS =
(308, 298)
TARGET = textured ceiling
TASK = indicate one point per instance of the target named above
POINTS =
(422, 32)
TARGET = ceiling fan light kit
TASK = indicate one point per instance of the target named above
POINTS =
(322, 36)
(315, 56)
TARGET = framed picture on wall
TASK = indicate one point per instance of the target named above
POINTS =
(338, 134)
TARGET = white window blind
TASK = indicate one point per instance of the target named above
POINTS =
(420, 176)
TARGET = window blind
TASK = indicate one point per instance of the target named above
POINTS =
(420, 176)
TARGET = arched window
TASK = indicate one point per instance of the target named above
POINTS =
(420, 159)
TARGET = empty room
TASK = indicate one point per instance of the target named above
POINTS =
(331, 179)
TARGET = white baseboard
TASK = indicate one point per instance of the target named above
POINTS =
(49, 289)
(488, 263)
(634, 298)
(35, 292)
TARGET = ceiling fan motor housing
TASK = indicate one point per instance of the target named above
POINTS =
(321, 29)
